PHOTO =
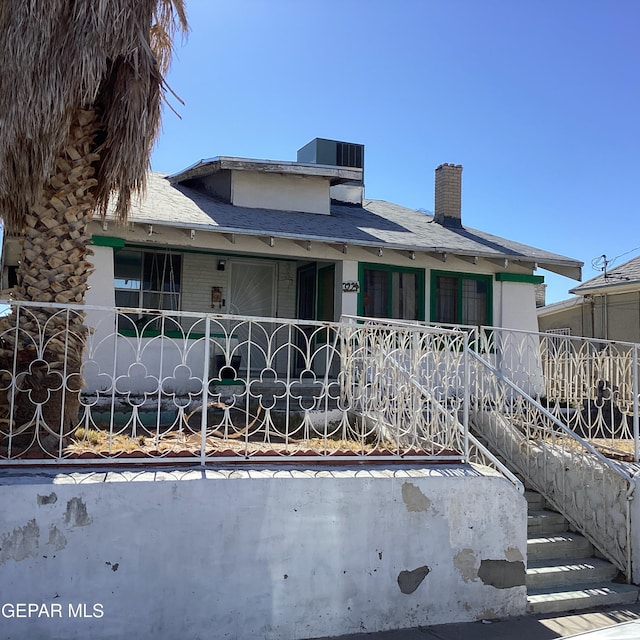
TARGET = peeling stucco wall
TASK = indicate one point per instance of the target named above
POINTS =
(277, 554)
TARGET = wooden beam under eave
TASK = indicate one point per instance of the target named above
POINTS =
(231, 237)
(470, 259)
(410, 255)
(376, 251)
(341, 248)
(503, 263)
(438, 255)
(305, 244)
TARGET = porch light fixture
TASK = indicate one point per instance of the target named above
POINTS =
(221, 265)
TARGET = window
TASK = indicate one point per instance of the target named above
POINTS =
(391, 292)
(461, 298)
(148, 280)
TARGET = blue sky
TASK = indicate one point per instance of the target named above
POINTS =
(537, 99)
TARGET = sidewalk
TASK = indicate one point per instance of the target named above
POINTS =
(532, 627)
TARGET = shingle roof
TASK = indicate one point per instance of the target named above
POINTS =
(625, 274)
(376, 223)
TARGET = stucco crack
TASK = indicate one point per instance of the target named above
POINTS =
(21, 543)
(76, 514)
(409, 581)
(413, 498)
(502, 574)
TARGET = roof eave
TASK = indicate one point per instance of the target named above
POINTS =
(620, 287)
(571, 269)
(335, 175)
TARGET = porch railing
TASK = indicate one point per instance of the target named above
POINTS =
(442, 376)
(589, 385)
(87, 385)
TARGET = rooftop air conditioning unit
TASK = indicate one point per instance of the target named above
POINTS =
(333, 153)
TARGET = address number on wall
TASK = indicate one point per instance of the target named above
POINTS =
(351, 286)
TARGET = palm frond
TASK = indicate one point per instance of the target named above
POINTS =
(61, 55)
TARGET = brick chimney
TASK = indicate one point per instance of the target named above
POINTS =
(448, 198)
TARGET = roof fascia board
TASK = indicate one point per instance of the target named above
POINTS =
(625, 286)
(336, 175)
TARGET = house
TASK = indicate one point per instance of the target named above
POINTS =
(606, 307)
(300, 240)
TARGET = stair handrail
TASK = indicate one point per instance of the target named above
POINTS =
(484, 454)
(615, 468)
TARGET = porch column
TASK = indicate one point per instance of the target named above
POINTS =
(348, 272)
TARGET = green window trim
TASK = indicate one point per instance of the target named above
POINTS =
(107, 241)
(519, 277)
(420, 280)
(460, 276)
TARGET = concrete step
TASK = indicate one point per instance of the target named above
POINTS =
(560, 573)
(535, 500)
(544, 522)
(585, 596)
(558, 546)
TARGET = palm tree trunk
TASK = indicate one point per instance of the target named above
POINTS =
(47, 348)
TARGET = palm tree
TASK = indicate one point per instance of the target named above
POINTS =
(80, 94)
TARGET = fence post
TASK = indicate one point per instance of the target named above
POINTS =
(205, 391)
(636, 444)
(466, 392)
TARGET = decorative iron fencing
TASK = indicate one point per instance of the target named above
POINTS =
(85, 385)
(589, 385)
(590, 490)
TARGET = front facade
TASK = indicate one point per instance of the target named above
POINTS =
(299, 240)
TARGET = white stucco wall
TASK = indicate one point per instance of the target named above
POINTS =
(634, 505)
(245, 554)
(280, 192)
(517, 306)
(101, 292)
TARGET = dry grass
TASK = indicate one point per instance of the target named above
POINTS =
(100, 443)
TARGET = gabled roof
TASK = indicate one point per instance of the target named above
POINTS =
(627, 275)
(376, 224)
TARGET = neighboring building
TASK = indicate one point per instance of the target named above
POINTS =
(605, 307)
(300, 240)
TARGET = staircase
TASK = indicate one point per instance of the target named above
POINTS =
(563, 574)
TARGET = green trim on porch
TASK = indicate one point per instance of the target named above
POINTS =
(519, 277)
(107, 241)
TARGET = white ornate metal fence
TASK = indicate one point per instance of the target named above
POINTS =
(589, 385)
(85, 385)
(590, 490)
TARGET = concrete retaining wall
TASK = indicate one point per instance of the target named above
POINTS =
(284, 553)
